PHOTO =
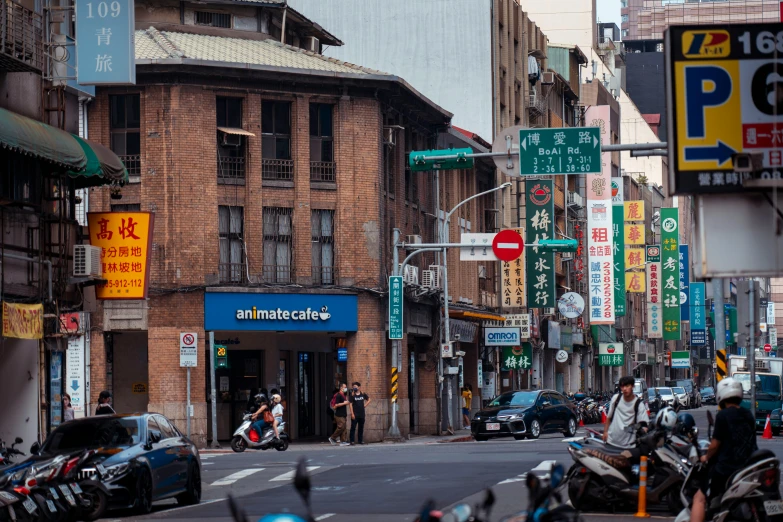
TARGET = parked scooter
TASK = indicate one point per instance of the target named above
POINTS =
(245, 437)
(604, 475)
(752, 493)
(15, 503)
(545, 502)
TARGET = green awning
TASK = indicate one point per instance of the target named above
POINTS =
(28, 136)
(103, 166)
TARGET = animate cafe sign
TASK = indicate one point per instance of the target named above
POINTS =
(280, 312)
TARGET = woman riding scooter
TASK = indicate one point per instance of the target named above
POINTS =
(263, 416)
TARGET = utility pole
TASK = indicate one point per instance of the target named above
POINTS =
(751, 344)
(394, 430)
(720, 317)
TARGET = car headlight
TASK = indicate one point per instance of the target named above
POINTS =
(117, 470)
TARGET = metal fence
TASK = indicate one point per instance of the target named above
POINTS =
(21, 37)
(277, 169)
(232, 273)
(231, 170)
(322, 171)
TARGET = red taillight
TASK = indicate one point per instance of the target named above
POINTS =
(70, 465)
(31, 483)
(582, 470)
(253, 436)
(22, 491)
(770, 478)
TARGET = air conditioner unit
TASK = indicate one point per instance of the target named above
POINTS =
(640, 357)
(566, 256)
(313, 44)
(231, 140)
(482, 272)
(414, 240)
(411, 275)
(388, 135)
(547, 78)
(428, 279)
(659, 358)
(87, 261)
(549, 311)
(437, 272)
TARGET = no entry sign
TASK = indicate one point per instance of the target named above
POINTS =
(768, 348)
(508, 245)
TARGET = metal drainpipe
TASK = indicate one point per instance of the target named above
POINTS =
(285, 13)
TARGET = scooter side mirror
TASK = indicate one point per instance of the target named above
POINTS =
(489, 499)
(236, 512)
(302, 482)
(35, 448)
(533, 484)
(710, 418)
(557, 473)
(18, 440)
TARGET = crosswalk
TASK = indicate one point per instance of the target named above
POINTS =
(541, 470)
(228, 480)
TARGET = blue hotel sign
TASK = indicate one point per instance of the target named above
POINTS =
(105, 47)
(281, 312)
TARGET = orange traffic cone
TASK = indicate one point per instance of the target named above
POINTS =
(581, 423)
(603, 417)
(767, 429)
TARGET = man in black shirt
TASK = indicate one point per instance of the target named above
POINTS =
(340, 416)
(104, 404)
(732, 444)
(359, 401)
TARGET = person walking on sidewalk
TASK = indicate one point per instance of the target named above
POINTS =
(340, 416)
(467, 397)
(104, 404)
(359, 401)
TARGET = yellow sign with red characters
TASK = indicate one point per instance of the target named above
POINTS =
(633, 210)
(635, 282)
(634, 258)
(634, 234)
(125, 239)
(23, 321)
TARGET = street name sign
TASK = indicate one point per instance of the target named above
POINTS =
(559, 151)
(721, 81)
(396, 298)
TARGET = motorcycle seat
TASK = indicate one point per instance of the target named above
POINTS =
(617, 459)
(756, 456)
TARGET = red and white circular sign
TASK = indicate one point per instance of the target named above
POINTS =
(767, 347)
(508, 245)
(188, 340)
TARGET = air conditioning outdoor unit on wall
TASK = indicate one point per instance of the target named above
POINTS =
(547, 78)
(427, 279)
(313, 44)
(437, 276)
(231, 140)
(549, 311)
(411, 275)
(414, 240)
(87, 261)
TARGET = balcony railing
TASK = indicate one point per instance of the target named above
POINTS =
(231, 171)
(324, 275)
(277, 169)
(21, 38)
(322, 171)
(232, 273)
(280, 274)
(132, 164)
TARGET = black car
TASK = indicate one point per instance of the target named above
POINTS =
(708, 395)
(524, 414)
(141, 458)
(655, 400)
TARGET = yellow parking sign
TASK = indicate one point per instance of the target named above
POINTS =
(722, 107)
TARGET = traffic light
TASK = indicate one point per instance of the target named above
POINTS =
(558, 245)
(421, 160)
(221, 356)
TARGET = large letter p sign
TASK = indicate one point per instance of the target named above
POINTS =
(705, 86)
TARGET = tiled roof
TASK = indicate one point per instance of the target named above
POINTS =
(152, 44)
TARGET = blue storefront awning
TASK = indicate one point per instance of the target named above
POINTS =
(240, 311)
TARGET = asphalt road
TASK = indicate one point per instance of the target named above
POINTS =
(382, 482)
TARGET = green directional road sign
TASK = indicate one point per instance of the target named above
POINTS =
(447, 159)
(559, 151)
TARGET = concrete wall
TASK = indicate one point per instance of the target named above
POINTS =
(633, 129)
(19, 387)
(442, 48)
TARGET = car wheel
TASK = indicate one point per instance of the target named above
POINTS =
(481, 438)
(571, 430)
(192, 494)
(144, 492)
(535, 429)
(238, 444)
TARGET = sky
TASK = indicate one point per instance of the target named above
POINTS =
(608, 11)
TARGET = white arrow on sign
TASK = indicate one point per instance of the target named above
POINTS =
(596, 143)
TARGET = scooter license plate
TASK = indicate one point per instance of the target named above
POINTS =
(773, 507)
(76, 489)
(54, 493)
(29, 505)
(493, 426)
(51, 506)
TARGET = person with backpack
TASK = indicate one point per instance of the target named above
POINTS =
(626, 409)
(340, 406)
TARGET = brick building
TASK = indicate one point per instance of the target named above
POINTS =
(276, 176)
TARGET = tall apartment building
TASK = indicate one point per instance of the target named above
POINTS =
(644, 20)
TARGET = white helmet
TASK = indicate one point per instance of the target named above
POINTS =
(666, 418)
(728, 388)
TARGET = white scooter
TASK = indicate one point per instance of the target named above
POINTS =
(752, 493)
(245, 437)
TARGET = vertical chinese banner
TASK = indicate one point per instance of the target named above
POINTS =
(685, 281)
(698, 312)
(106, 51)
(618, 256)
(670, 273)
(654, 311)
(540, 211)
(514, 295)
(600, 264)
(124, 239)
(633, 212)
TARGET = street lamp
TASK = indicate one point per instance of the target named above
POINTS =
(447, 333)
